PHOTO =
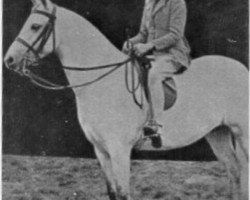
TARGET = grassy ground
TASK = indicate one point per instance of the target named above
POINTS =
(55, 178)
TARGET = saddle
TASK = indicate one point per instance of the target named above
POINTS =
(169, 86)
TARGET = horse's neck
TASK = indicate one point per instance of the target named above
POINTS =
(81, 44)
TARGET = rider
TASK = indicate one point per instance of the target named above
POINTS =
(162, 33)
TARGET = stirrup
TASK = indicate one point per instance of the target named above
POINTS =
(151, 128)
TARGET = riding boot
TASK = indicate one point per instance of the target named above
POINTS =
(161, 68)
(151, 131)
(151, 127)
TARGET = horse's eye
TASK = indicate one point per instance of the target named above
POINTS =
(35, 27)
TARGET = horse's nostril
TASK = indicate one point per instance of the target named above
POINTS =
(9, 62)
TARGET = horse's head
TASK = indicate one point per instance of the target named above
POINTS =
(36, 39)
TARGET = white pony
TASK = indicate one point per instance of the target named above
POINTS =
(211, 94)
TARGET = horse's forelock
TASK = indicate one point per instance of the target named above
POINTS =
(44, 3)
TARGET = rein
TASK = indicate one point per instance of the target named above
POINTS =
(131, 88)
(52, 86)
(46, 84)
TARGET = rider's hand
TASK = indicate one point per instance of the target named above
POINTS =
(127, 47)
(142, 49)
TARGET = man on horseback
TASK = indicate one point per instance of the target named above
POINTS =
(161, 33)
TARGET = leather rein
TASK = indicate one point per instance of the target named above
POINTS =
(46, 84)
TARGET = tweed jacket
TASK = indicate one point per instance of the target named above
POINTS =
(163, 24)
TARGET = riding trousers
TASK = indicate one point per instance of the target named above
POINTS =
(162, 67)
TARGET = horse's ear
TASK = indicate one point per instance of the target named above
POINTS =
(47, 4)
(35, 2)
(44, 2)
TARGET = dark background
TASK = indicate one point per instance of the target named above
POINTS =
(41, 122)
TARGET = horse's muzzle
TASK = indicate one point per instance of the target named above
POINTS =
(10, 62)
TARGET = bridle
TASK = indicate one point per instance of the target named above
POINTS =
(41, 82)
(43, 36)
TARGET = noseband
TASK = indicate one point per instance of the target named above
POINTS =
(43, 36)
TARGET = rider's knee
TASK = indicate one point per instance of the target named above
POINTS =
(159, 71)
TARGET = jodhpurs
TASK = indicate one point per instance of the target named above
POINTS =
(162, 67)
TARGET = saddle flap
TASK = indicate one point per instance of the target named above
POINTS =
(170, 93)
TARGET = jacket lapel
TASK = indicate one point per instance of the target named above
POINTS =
(158, 6)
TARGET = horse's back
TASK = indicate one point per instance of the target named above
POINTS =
(217, 75)
(220, 66)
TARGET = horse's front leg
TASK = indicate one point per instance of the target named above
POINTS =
(116, 167)
(105, 162)
(120, 161)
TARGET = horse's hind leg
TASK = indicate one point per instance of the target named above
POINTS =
(240, 134)
(220, 140)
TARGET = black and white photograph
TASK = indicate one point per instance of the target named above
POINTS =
(125, 100)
